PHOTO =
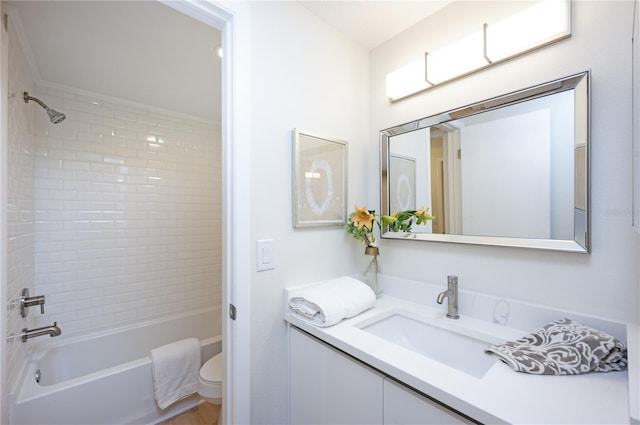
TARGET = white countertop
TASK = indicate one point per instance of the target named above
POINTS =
(501, 395)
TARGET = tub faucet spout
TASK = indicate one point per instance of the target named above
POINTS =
(45, 330)
(452, 297)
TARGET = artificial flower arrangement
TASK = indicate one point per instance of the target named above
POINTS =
(360, 223)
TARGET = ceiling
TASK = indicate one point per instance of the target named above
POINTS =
(146, 52)
(142, 51)
(372, 22)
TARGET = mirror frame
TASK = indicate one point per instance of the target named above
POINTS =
(582, 233)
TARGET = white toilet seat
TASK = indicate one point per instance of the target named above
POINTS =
(211, 376)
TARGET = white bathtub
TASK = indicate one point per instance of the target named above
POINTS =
(106, 378)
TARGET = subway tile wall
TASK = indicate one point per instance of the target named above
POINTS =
(127, 212)
(20, 200)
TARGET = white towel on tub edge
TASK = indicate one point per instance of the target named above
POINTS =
(176, 369)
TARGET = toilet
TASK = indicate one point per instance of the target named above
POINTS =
(210, 381)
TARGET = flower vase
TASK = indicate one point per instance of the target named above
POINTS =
(370, 269)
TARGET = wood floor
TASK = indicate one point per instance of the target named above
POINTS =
(202, 414)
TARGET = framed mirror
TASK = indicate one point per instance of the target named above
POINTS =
(508, 171)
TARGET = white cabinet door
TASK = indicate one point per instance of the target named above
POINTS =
(328, 387)
(404, 406)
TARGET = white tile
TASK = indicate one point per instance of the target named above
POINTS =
(75, 165)
(131, 238)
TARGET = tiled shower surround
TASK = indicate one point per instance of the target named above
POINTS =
(127, 212)
(20, 202)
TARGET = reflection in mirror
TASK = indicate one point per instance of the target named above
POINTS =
(511, 170)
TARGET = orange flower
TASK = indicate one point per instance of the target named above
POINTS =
(363, 218)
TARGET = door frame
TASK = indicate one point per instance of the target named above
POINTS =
(232, 19)
(4, 141)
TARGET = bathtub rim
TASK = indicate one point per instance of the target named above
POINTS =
(45, 344)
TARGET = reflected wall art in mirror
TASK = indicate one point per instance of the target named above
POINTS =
(508, 171)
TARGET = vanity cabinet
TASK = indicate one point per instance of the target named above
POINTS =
(405, 406)
(327, 386)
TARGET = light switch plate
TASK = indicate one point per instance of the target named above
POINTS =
(264, 255)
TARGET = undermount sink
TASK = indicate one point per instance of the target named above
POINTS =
(445, 345)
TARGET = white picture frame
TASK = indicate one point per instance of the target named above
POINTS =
(319, 180)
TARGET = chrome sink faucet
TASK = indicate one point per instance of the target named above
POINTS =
(452, 297)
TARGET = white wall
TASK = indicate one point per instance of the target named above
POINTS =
(604, 283)
(305, 75)
(127, 207)
(636, 112)
(502, 194)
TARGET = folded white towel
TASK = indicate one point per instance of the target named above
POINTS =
(330, 301)
(176, 368)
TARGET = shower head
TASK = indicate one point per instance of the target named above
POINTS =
(55, 116)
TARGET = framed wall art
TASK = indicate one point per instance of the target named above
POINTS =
(319, 180)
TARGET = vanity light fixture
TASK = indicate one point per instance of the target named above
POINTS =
(543, 23)
(456, 59)
(407, 80)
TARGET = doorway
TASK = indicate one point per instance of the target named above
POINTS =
(226, 21)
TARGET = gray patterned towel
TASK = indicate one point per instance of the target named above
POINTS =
(563, 347)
